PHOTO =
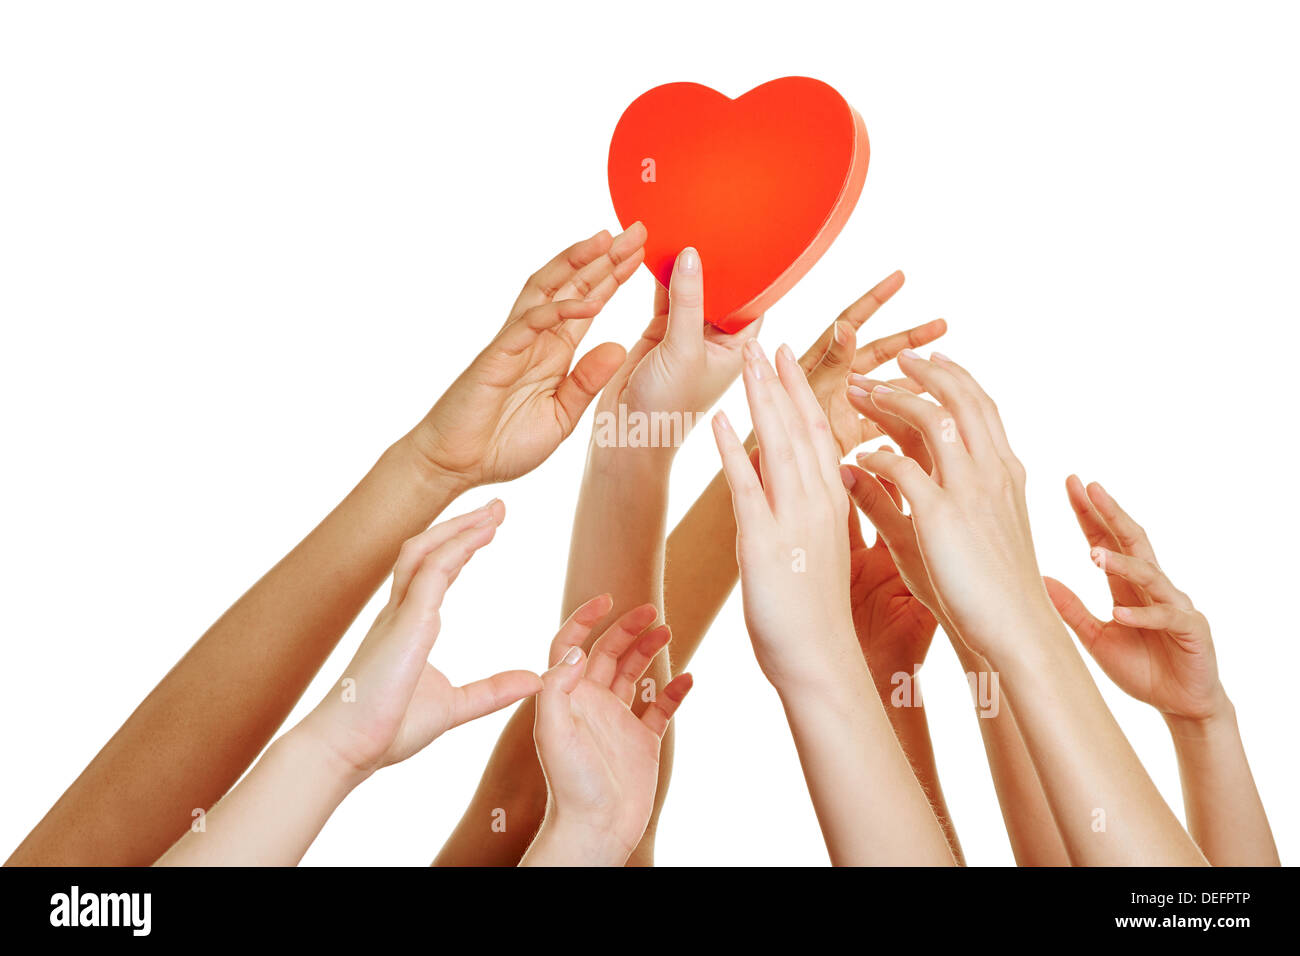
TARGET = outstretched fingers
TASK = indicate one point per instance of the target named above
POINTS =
(610, 647)
(415, 549)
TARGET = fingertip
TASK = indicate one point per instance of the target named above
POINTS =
(688, 262)
(679, 687)
(848, 477)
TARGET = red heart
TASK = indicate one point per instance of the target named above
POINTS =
(760, 185)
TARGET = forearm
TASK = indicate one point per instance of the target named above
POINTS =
(275, 813)
(1106, 808)
(870, 807)
(1224, 813)
(908, 720)
(700, 570)
(1035, 840)
(507, 808)
(194, 735)
(617, 545)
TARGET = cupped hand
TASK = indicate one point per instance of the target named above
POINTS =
(524, 394)
(600, 760)
(391, 702)
(1157, 647)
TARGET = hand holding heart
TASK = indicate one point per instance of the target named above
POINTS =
(680, 364)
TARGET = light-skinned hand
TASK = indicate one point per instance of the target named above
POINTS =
(391, 702)
(601, 761)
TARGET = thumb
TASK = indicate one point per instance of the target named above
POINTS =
(871, 498)
(839, 355)
(553, 721)
(686, 303)
(483, 697)
(1074, 613)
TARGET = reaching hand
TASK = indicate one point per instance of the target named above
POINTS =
(519, 398)
(792, 528)
(391, 702)
(1158, 647)
(600, 760)
(968, 505)
(894, 627)
(836, 356)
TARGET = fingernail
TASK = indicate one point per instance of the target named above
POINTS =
(911, 353)
(862, 455)
(940, 356)
(785, 351)
(574, 655)
(752, 351)
(1122, 614)
(856, 392)
(848, 477)
(882, 388)
(856, 379)
(1099, 558)
(689, 261)
(723, 421)
(842, 332)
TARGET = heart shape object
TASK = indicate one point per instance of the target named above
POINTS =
(760, 185)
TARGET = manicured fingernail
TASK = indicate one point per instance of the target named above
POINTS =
(722, 421)
(785, 351)
(1099, 558)
(688, 263)
(1123, 614)
(856, 379)
(863, 455)
(911, 353)
(848, 477)
(882, 388)
(574, 655)
(859, 393)
(752, 351)
(843, 333)
(940, 356)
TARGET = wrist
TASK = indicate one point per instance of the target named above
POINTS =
(415, 452)
(1219, 719)
(635, 463)
(564, 842)
(320, 761)
(1034, 639)
(831, 680)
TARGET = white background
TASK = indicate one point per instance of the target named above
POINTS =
(244, 246)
